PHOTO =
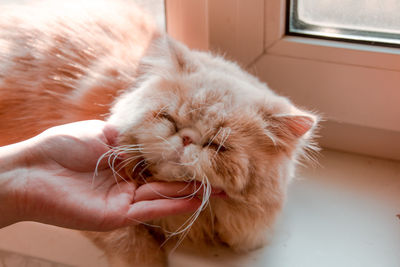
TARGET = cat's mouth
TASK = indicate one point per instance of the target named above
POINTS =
(139, 170)
(141, 173)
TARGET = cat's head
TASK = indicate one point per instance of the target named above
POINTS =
(198, 116)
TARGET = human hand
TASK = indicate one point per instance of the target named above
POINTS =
(51, 180)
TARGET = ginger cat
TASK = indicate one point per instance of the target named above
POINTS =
(182, 115)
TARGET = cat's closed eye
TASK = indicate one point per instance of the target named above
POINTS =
(166, 116)
(215, 146)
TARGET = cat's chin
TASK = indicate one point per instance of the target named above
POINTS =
(139, 171)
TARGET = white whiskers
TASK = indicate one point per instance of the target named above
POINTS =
(227, 132)
(116, 161)
(113, 156)
(167, 142)
(183, 230)
(215, 136)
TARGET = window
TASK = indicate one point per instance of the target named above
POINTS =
(355, 86)
(371, 21)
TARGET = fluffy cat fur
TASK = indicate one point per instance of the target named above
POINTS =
(106, 60)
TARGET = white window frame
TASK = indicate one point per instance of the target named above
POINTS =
(355, 86)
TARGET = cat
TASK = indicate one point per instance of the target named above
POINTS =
(182, 115)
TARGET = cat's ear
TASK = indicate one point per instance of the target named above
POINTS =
(180, 56)
(165, 53)
(294, 125)
(291, 127)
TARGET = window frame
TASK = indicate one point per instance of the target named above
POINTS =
(355, 86)
(342, 34)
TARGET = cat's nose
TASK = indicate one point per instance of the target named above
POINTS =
(189, 136)
(186, 140)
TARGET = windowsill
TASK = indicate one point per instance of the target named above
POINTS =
(342, 213)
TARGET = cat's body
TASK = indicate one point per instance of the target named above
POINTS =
(63, 62)
(186, 115)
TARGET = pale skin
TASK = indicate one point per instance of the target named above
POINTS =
(49, 179)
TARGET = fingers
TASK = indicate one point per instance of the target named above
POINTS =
(159, 190)
(154, 200)
(149, 210)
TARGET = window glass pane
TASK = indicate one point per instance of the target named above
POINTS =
(363, 20)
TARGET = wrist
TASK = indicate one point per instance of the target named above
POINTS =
(13, 174)
(9, 210)
(17, 155)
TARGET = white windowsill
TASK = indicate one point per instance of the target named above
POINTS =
(342, 213)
